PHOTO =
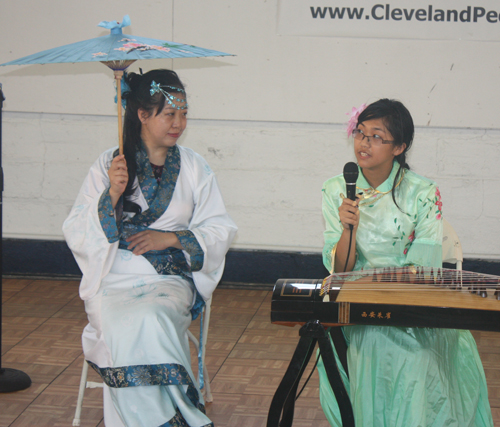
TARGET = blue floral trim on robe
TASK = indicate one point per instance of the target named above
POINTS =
(158, 196)
(152, 375)
(179, 421)
(107, 217)
(170, 261)
(192, 247)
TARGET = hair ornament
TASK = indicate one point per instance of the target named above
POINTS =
(353, 120)
(177, 103)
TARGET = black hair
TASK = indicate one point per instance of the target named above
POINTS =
(398, 121)
(139, 96)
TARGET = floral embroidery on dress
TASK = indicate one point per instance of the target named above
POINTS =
(431, 203)
(162, 295)
(179, 421)
(158, 196)
(176, 421)
(439, 204)
(139, 292)
(170, 261)
(107, 218)
(402, 234)
(411, 238)
(140, 376)
(434, 203)
(192, 247)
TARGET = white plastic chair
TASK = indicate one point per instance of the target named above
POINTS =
(207, 393)
(206, 387)
(452, 249)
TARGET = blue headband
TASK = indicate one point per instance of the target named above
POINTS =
(171, 99)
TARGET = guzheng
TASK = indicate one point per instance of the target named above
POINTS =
(407, 296)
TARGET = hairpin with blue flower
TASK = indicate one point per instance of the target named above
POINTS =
(177, 103)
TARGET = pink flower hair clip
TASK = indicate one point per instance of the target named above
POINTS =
(353, 120)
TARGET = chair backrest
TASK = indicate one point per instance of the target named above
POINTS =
(452, 249)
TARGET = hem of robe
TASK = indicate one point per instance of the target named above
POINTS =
(164, 374)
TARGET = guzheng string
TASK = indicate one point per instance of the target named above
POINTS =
(414, 279)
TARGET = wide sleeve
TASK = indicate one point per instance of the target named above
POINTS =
(333, 226)
(210, 232)
(90, 230)
(426, 247)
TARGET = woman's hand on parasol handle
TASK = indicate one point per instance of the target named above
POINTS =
(118, 178)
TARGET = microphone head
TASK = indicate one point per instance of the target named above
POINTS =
(350, 177)
(351, 172)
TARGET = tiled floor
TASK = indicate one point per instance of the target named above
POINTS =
(246, 358)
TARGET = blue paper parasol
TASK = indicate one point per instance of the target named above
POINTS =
(117, 51)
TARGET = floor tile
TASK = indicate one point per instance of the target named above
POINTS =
(246, 357)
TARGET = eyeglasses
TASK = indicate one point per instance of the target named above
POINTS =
(374, 139)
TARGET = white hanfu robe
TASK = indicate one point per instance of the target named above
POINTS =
(139, 307)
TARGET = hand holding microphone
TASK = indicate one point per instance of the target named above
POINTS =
(348, 210)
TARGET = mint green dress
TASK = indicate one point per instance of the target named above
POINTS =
(402, 377)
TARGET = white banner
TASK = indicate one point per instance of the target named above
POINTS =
(401, 19)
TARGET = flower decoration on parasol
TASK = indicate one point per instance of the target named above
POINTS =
(118, 52)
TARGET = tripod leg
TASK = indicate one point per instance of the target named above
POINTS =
(289, 407)
(284, 398)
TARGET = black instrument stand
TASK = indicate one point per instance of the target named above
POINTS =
(10, 379)
(283, 403)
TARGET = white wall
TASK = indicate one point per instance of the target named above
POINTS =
(270, 120)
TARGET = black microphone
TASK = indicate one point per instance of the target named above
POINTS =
(351, 176)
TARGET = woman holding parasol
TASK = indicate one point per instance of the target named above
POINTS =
(150, 232)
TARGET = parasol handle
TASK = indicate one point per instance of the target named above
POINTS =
(118, 78)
